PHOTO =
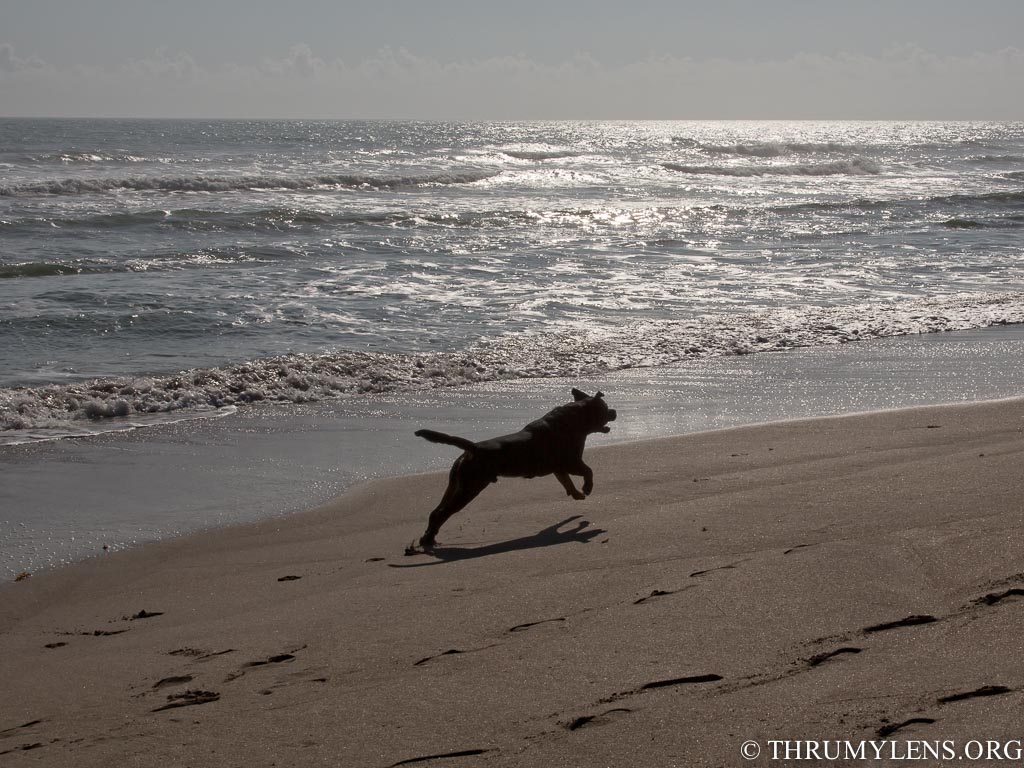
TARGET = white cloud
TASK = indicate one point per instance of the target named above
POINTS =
(299, 62)
(164, 65)
(11, 62)
(904, 82)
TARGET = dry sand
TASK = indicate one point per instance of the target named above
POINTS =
(853, 578)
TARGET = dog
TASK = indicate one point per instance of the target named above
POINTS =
(553, 444)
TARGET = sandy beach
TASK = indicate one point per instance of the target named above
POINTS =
(848, 579)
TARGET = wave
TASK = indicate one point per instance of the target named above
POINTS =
(551, 154)
(54, 269)
(963, 224)
(86, 186)
(1014, 176)
(169, 261)
(776, 149)
(1010, 198)
(996, 222)
(77, 158)
(281, 218)
(986, 200)
(854, 167)
(270, 219)
(997, 159)
(572, 353)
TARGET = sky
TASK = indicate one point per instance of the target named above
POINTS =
(528, 59)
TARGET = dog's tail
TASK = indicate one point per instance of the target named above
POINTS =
(441, 437)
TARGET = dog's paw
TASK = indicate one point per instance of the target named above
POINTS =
(588, 488)
(578, 496)
(418, 548)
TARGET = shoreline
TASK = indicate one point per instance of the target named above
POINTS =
(68, 500)
(717, 587)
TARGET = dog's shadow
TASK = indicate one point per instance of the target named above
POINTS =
(547, 537)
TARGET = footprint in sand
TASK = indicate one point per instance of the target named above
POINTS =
(985, 690)
(997, 597)
(102, 632)
(143, 614)
(664, 592)
(443, 756)
(728, 567)
(452, 652)
(521, 627)
(280, 658)
(9, 732)
(168, 681)
(680, 681)
(188, 699)
(24, 748)
(821, 658)
(199, 655)
(599, 719)
(887, 730)
(909, 621)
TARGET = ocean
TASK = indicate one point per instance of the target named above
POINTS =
(154, 270)
(207, 322)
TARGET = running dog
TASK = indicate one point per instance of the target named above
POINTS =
(553, 444)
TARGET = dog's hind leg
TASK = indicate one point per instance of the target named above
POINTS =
(463, 486)
(464, 494)
(567, 483)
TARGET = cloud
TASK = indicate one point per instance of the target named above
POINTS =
(299, 62)
(10, 61)
(905, 82)
(164, 65)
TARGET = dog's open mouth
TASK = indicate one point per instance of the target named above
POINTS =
(611, 417)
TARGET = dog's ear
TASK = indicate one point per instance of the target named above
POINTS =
(599, 394)
(578, 394)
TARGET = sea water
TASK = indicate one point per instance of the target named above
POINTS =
(153, 270)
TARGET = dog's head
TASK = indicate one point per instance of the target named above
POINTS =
(598, 414)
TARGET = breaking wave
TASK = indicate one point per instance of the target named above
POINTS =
(241, 183)
(1001, 159)
(568, 353)
(984, 200)
(551, 154)
(853, 167)
(1004, 198)
(272, 219)
(78, 158)
(963, 224)
(54, 269)
(776, 149)
(995, 222)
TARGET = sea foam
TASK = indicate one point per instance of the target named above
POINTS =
(577, 353)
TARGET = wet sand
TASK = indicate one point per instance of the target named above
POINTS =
(850, 578)
(65, 500)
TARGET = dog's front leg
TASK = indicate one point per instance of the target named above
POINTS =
(586, 473)
(567, 483)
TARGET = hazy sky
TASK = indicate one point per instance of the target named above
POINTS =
(525, 59)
